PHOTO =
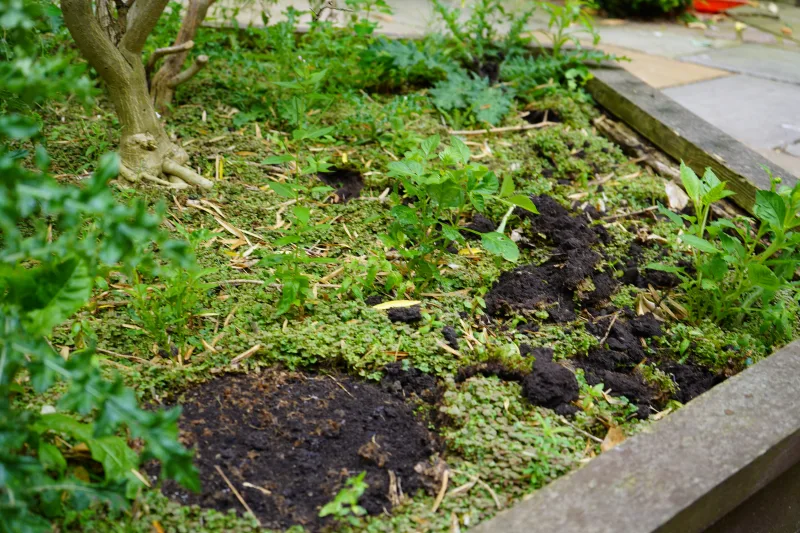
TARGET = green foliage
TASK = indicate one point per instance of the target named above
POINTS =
(56, 239)
(345, 505)
(476, 39)
(438, 198)
(467, 99)
(568, 22)
(739, 271)
(644, 8)
(289, 266)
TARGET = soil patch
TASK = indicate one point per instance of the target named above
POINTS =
(288, 441)
(537, 116)
(347, 182)
(407, 315)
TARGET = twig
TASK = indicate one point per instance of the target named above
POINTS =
(522, 127)
(161, 52)
(244, 355)
(123, 356)
(235, 282)
(633, 214)
(448, 349)
(340, 385)
(236, 493)
(328, 5)
(442, 492)
(608, 331)
(579, 430)
(492, 492)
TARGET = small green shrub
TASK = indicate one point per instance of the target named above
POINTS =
(466, 99)
(739, 272)
(345, 505)
(438, 196)
(644, 8)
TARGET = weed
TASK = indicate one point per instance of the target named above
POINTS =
(466, 99)
(739, 272)
(438, 198)
(345, 505)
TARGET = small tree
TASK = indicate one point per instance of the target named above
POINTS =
(112, 38)
(170, 75)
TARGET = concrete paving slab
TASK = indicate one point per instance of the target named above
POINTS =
(763, 114)
(784, 159)
(756, 60)
(662, 72)
(658, 39)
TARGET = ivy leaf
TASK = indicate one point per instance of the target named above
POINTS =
(498, 244)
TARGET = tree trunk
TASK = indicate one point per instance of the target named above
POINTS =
(169, 76)
(146, 151)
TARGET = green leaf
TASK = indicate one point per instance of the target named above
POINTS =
(771, 209)
(507, 188)
(458, 152)
(498, 244)
(60, 296)
(664, 268)
(115, 455)
(277, 159)
(303, 214)
(429, 145)
(282, 189)
(405, 215)
(520, 200)
(761, 276)
(691, 183)
(301, 134)
(674, 217)
(405, 168)
(450, 233)
(51, 458)
(698, 243)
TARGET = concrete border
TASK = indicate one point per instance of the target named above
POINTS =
(682, 134)
(706, 462)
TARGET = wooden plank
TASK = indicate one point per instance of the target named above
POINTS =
(683, 135)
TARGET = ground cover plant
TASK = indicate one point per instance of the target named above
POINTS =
(421, 285)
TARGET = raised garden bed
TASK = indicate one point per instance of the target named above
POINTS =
(461, 320)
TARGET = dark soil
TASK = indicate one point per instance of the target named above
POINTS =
(347, 182)
(692, 380)
(288, 442)
(479, 223)
(410, 384)
(451, 337)
(407, 315)
(635, 274)
(554, 285)
(549, 384)
(538, 116)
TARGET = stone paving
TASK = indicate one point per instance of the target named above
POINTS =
(746, 81)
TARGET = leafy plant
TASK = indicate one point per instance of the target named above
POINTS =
(438, 198)
(290, 266)
(345, 504)
(567, 23)
(375, 274)
(737, 271)
(467, 99)
(56, 240)
(477, 41)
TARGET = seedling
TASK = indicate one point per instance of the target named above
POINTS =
(438, 197)
(737, 271)
(345, 505)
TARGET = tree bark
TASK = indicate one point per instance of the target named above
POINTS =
(169, 76)
(146, 151)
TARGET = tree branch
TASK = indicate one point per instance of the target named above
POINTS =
(161, 52)
(187, 74)
(93, 42)
(142, 18)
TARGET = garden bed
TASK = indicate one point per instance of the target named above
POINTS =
(318, 345)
